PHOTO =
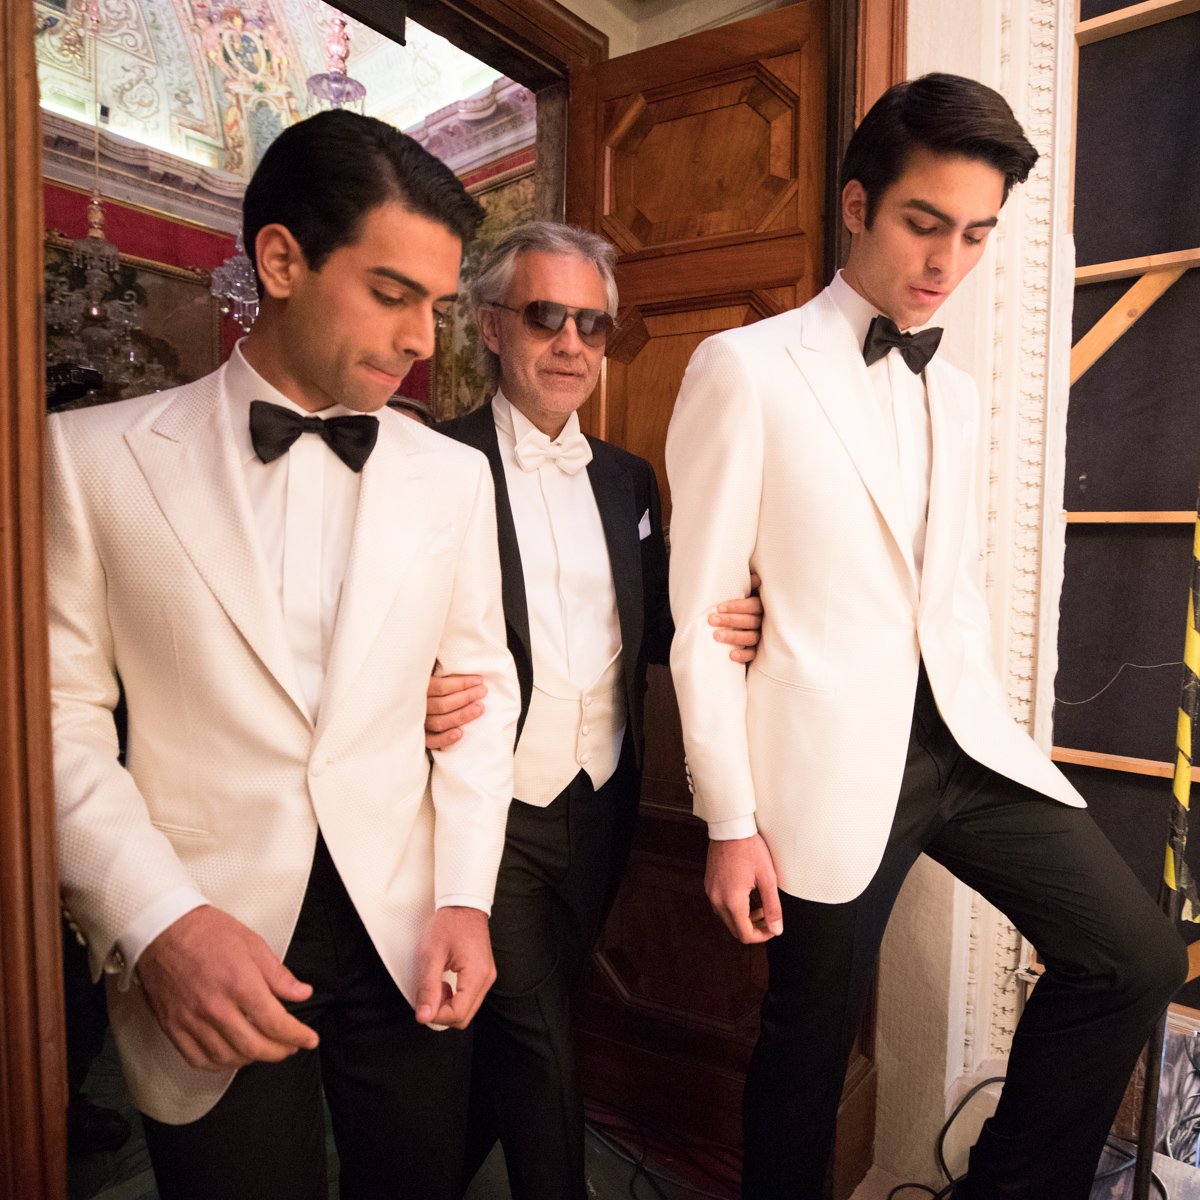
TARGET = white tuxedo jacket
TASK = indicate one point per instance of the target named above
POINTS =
(777, 466)
(157, 580)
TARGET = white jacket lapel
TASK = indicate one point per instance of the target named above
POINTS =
(389, 528)
(190, 463)
(833, 365)
(950, 475)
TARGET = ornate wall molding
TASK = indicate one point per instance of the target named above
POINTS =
(1028, 407)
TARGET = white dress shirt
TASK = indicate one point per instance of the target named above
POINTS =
(903, 409)
(304, 504)
(574, 629)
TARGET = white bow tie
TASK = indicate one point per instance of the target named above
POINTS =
(570, 453)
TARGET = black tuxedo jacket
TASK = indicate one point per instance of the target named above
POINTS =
(625, 490)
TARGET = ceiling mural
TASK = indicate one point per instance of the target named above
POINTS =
(213, 83)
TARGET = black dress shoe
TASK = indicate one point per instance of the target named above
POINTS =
(91, 1128)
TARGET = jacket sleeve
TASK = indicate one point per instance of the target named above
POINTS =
(714, 464)
(122, 882)
(471, 781)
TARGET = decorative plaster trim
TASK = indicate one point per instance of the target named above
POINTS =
(140, 175)
(1028, 421)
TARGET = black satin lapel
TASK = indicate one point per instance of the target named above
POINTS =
(479, 430)
(614, 492)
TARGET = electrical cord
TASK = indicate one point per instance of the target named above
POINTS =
(940, 1148)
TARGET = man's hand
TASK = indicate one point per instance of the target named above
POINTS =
(736, 869)
(451, 701)
(738, 622)
(457, 940)
(215, 988)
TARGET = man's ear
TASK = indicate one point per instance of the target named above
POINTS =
(854, 206)
(489, 327)
(279, 259)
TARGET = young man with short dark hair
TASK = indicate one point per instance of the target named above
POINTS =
(829, 451)
(269, 562)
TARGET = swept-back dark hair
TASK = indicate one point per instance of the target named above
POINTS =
(320, 177)
(947, 114)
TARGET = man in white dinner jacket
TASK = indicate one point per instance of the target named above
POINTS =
(268, 563)
(827, 450)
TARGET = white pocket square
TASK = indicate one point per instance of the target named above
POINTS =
(644, 526)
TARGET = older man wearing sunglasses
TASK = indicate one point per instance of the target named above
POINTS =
(584, 566)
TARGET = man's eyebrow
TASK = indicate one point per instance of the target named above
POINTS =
(925, 207)
(413, 286)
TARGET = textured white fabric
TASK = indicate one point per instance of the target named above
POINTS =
(776, 467)
(903, 408)
(156, 571)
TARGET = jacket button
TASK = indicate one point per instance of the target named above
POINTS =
(318, 766)
(585, 758)
(586, 730)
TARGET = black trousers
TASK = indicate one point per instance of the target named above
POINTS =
(558, 877)
(1112, 961)
(397, 1091)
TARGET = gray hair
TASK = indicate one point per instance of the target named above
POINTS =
(540, 237)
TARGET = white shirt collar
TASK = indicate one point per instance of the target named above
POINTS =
(857, 310)
(244, 384)
(512, 421)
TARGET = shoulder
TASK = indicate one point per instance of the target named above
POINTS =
(469, 427)
(406, 436)
(606, 452)
(100, 422)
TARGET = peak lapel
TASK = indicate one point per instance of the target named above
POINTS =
(949, 481)
(829, 359)
(613, 490)
(190, 464)
(392, 520)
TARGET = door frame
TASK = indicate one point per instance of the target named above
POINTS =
(537, 43)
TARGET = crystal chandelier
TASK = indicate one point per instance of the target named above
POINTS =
(334, 88)
(235, 285)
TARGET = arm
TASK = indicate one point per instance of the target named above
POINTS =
(212, 983)
(472, 783)
(714, 461)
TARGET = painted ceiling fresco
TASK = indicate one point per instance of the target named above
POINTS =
(215, 82)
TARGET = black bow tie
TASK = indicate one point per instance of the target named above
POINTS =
(915, 348)
(273, 430)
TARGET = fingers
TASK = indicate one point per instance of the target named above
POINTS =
(452, 718)
(471, 986)
(439, 741)
(452, 699)
(755, 581)
(768, 918)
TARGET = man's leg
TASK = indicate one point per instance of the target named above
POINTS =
(821, 969)
(264, 1137)
(397, 1091)
(1112, 961)
(556, 881)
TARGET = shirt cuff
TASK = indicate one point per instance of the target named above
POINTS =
(464, 901)
(166, 910)
(731, 830)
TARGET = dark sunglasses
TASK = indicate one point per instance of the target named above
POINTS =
(544, 318)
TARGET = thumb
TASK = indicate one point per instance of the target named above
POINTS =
(772, 910)
(281, 981)
(432, 989)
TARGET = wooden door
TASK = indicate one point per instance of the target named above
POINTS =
(704, 162)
